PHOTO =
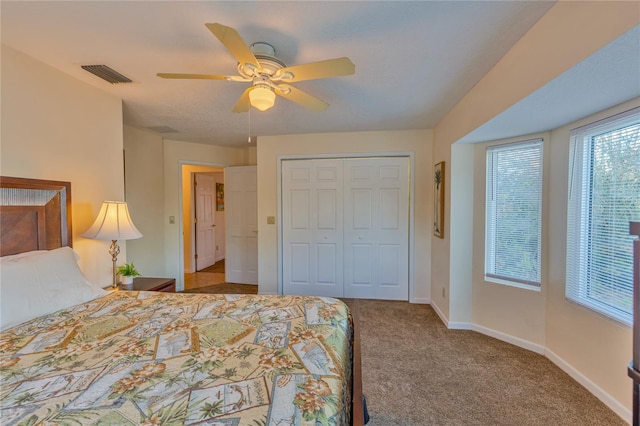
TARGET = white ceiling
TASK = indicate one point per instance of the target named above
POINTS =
(414, 60)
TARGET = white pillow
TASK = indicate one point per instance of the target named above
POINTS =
(19, 255)
(31, 286)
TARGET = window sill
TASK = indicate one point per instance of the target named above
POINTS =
(513, 284)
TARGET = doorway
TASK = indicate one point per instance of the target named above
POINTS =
(203, 226)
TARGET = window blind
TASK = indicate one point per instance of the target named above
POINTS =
(514, 212)
(604, 195)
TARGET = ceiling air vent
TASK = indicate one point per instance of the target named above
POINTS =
(106, 73)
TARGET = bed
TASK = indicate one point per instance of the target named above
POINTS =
(72, 353)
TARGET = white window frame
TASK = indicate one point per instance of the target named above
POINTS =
(491, 274)
(578, 282)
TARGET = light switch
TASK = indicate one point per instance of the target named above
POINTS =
(271, 220)
(172, 220)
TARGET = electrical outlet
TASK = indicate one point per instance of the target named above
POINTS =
(172, 220)
(271, 220)
(443, 292)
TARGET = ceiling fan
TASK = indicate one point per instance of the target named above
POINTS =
(268, 75)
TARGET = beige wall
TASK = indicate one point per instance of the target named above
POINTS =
(501, 309)
(55, 127)
(441, 247)
(596, 347)
(145, 197)
(155, 187)
(594, 350)
(591, 348)
(271, 148)
(583, 342)
(461, 233)
(177, 153)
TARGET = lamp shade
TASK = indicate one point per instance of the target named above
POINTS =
(262, 97)
(113, 223)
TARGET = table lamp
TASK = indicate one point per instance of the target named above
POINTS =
(113, 223)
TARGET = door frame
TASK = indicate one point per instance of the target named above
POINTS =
(181, 163)
(368, 155)
(194, 226)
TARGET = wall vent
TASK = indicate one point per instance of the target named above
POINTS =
(106, 73)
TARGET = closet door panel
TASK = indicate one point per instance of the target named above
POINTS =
(362, 267)
(299, 265)
(312, 200)
(376, 228)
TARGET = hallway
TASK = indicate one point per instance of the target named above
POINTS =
(210, 276)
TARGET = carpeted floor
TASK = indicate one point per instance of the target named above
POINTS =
(417, 372)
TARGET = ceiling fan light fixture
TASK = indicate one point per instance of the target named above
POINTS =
(259, 65)
(262, 97)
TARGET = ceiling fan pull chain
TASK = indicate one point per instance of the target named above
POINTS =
(249, 140)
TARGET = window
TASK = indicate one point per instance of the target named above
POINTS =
(604, 195)
(514, 213)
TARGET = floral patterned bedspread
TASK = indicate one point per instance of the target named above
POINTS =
(132, 358)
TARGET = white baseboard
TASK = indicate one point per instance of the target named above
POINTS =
(455, 325)
(420, 300)
(444, 319)
(451, 324)
(525, 344)
(596, 390)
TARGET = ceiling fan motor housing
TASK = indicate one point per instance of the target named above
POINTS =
(265, 54)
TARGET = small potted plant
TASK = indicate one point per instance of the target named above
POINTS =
(128, 272)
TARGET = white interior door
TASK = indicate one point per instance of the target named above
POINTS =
(241, 213)
(205, 221)
(345, 227)
(312, 227)
(376, 228)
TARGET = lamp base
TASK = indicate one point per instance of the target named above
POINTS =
(114, 251)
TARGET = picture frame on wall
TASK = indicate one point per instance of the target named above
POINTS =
(438, 200)
(220, 197)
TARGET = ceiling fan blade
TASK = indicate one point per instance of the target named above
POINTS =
(301, 98)
(230, 38)
(314, 70)
(243, 104)
(203, 76)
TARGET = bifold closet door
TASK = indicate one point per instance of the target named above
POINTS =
(312, 209)
(376, 228)
(345, 227)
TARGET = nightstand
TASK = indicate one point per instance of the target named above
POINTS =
(168, 285)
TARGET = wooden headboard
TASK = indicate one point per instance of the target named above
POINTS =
(34, 215)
